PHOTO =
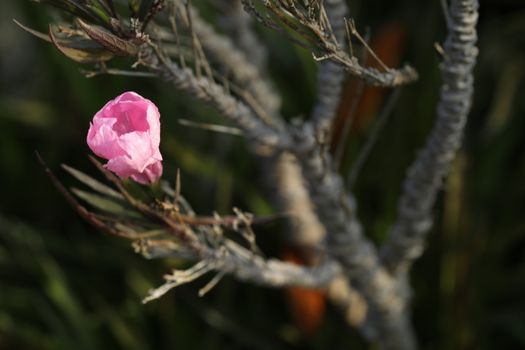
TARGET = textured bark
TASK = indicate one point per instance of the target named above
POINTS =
(330, 75)
(356, 254)
(235, 63)
(239, 25)
(203, 89)
(248, 266)
(425, 176)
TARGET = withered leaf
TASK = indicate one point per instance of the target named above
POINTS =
(111, 42)
(86, 55)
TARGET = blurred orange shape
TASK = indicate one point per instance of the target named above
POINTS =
(307, 306)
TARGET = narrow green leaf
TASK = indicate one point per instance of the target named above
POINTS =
(105, 204)
(141, 234)
(104, 16)
(111, 7)
(92, 183)
(105, 6)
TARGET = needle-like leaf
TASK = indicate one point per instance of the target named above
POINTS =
(92, 183)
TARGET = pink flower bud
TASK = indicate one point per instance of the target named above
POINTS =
(126, 132)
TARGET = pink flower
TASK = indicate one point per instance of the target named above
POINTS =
(126, 132)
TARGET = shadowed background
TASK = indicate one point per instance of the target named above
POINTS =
(64, 285)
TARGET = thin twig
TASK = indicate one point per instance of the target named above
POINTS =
(350, 117)
(347, 125)
(121, 72)
(212, 127)
(211, 284)
(364, 42)
(372, 138)
(324, 40)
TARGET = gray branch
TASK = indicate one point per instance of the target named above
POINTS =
(235, 63)
(239, 25)
(217, 96)
(335, 208)
(312, 20)
(425, 176)
(308, 231)
(228, 257)
(348, 246)
(275, 273)
(330, 76)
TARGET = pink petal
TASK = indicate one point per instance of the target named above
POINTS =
(122, 166)
(124, 169)
(151, 174)
(102, 140)
(130, 116)
(129, 96)
(153, 118)
(139, 149)
(126, 131)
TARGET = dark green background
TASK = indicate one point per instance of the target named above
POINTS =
(64, 285)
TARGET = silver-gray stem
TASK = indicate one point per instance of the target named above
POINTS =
(236, 63)
(356, 254)
(425, 175)
(330, 75)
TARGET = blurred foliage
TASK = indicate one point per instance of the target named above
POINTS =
(64, 285)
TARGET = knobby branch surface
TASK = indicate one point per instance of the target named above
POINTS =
(275, 273)
(305, 230)
(308, 231)
(330, 75)
(425, 176)
(232, 258)
(347, 244)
